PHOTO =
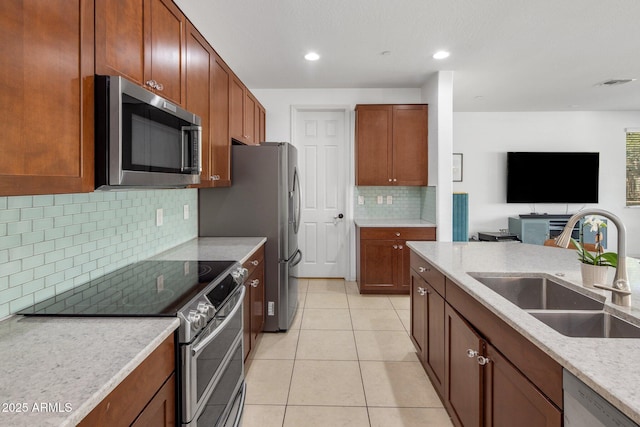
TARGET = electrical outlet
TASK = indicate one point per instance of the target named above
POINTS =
(159, 217)
(389, 200)
(185, 211)
(160, 283)
(361, 200)
(379, 200)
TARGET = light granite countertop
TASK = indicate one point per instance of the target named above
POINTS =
(71, 364)
(609, 366)
(214, 249)
(389, 222)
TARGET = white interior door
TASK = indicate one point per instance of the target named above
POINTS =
(322, 141)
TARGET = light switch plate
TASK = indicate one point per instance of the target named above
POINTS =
(380, 200)
(389, 200)
(361, 200)
(159, 217)
(185, 211)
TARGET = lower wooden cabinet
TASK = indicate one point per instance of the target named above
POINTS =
(254, 300)
(427, 328)
(463, 379)
(486, 373)
(161, 411)
(510, 399)
(383, 257)
(146, 397)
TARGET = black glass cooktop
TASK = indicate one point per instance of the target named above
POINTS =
(146, 288)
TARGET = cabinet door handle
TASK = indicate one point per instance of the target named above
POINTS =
(389, 179)
(395, 246)
(472, 353)
(159, 86)
(395, 180)
(482, 360)
(423, 269)
(399, 246)
(397, 234)
(255, 262)
(421, 291)
(255, 283)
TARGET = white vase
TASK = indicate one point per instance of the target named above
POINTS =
(593, 274)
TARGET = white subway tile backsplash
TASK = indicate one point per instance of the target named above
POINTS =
(51, 243)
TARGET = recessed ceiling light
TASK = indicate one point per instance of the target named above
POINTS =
(312, 56)
(615, 82)
(441, 54)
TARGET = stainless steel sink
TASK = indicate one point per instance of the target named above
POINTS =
(588, 324)
(539, 293)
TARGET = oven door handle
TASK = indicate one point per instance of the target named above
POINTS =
(236, 422)
(197, 349)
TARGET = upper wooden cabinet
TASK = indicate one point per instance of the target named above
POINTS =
(199, 77)
(246, 114)
(51, 53)
(220, 137)
(391, 145)
(143, 41)
(47, 97)
(261, 123)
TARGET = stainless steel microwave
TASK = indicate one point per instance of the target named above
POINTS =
(143, 140)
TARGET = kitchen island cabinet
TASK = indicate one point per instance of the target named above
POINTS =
(47, 97)
(391, 145)
(521, 360)
(427, 328)
(382, 258)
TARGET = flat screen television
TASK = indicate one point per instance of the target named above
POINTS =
(550, 177)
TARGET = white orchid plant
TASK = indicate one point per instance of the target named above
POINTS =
(608, 259)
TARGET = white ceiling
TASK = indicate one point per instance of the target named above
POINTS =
(507, 55)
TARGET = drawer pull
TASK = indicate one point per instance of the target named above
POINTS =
(255, 283)
(422, 291)
(423, 269)
(472, 353)
(398, 234)
(482, 360)
(255, 262)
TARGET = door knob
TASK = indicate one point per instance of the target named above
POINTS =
(339, 216)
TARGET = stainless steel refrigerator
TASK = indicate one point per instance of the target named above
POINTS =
(263, 200)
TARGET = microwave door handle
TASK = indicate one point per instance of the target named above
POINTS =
(184, 131)
(196, 133)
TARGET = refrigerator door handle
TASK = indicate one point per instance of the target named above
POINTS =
(295, 259)
(295, 193)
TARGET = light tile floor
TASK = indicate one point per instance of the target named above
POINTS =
(346, 361)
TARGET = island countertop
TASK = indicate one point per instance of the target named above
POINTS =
(607, 365)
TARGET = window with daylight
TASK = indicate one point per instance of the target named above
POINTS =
(633, 167)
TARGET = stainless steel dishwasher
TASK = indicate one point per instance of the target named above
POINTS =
(583, 407)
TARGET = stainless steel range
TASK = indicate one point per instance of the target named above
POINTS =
(207, 296)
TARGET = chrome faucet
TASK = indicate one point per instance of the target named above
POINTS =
(621, 290)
